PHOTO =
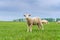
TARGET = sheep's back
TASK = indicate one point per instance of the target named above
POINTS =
(36, 20)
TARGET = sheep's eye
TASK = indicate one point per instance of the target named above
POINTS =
(24, 15)
(29, 15)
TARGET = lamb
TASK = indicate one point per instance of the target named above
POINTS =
(33, 21)
(44, 21)
(58, 22)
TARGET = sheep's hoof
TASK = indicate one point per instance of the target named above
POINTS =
(30, 31)
(27, 30)
(42, 28)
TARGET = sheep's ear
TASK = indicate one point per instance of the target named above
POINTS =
(24, 15)
(29, 15)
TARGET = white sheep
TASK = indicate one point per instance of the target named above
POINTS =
(58, 22)
(33, 21)
(44, 21)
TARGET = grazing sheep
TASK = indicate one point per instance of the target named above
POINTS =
(58, 22)
(33, 21)
(44, 21)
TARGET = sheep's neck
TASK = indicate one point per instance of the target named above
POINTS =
(28, 20)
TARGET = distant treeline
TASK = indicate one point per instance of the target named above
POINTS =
(48, 19)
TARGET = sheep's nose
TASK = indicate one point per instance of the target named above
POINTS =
(26, 17)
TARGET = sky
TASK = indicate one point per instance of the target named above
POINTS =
(15, 9)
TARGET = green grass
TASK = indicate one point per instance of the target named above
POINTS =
(17, 31)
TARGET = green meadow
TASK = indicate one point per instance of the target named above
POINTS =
(17, 31)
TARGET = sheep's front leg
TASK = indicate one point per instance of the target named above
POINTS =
(27, 28)
(30, 28)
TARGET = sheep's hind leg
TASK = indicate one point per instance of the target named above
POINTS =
(42, 26)
(38, 27)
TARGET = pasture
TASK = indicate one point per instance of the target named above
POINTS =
(17, 31)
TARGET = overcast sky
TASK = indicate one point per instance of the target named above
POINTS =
(14, 9)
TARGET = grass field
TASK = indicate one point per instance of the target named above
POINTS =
(17, 31)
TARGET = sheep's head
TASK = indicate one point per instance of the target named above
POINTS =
(27, 15)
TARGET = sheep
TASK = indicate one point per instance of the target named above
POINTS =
(58, 22)
(33, 21)
(44, 21)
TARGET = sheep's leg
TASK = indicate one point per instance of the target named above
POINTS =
(38, 26)
(27, 28)
(30, 28)
(42, 26)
